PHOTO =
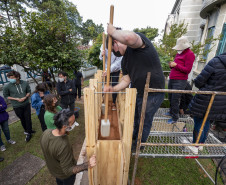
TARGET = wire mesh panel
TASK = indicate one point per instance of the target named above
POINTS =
(164, 133)
(181, 151)
(160, 122)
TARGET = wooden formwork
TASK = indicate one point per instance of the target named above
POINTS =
(113, 153)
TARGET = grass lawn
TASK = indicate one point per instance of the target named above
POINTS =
(171, 171)
(150, 171)
(21, 147)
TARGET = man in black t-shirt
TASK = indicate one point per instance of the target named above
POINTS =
(139, 57)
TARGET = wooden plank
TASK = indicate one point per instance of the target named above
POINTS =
(110, 163)
(93, 84)
(90, 128)
(99, 89)
(130, 103)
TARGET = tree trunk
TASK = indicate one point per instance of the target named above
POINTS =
(7, 12)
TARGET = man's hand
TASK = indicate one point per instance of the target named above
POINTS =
(110, 29)
(92, 161)
(20, 99)
(103, 53)
(172, 64)
(104, 73)
(108, 89)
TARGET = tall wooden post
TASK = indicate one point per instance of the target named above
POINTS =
(90, 128)
(128, 130)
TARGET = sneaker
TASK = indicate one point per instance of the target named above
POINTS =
(200, 148)
(26, 133)
(171, 121)
(28, 137)
(167, 115)
(11, 142)
(3, 148)
(194, 149)
(113, 107)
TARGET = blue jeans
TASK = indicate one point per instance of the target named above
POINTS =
(154, 101)
(5, 129)
(197, 126)
(69, 181)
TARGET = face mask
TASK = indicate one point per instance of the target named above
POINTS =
(179, 52)
(61, 79)
(13, 81)
(117, 53)
(68, 129)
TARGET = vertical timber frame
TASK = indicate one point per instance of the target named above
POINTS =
(113, 156)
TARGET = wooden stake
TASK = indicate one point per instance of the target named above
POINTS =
(104, 57)
(90, 127)
(142, 117)
(128, 130)
(108, 64)
(205, 118)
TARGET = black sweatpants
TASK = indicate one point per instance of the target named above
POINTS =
(78, 91)
(41, 118)
(24, 114)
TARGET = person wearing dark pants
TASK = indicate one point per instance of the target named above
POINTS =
(58, 152)
(212, 77)
(180, 69)
(78, 82)
(139, 58)
(185, 100)
(68, 181)
(37, 103)
(66, 90)
(174, 98)
(18, 92)
(154, 101)
(114, 70)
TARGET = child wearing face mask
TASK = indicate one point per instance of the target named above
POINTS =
(180, 69)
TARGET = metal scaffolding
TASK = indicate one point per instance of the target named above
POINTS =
(170, 140)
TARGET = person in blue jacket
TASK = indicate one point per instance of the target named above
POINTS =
(4, 116)
(37, 103)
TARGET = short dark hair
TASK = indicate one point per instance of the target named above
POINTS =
(62, 73)
(40, 87)
(14, 73)
(117, 28)
(62, 117)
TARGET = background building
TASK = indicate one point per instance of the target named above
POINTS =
(205, 18)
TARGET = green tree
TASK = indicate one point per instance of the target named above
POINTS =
(90, 31)
(149, 32)
(93, 54)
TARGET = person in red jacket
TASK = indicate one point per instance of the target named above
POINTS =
(180, 69)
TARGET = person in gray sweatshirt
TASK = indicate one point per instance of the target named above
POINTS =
(18, 92)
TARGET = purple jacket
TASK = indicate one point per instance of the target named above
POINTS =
(3, 114)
